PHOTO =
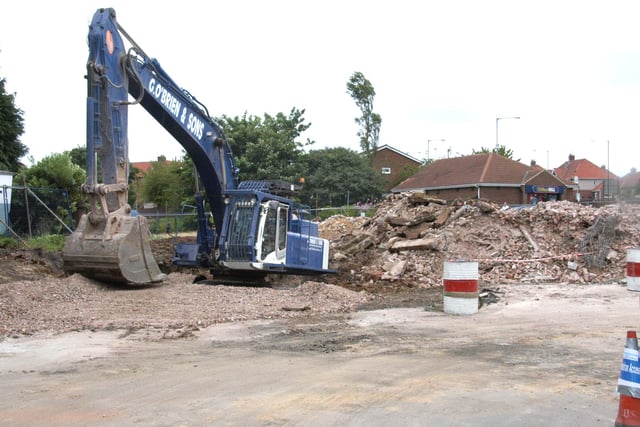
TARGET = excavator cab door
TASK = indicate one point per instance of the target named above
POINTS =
(271, 238)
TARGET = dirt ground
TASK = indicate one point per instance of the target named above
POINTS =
(544, 355)
(77, 352)
(36, 295)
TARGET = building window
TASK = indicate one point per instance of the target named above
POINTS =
(386, 171)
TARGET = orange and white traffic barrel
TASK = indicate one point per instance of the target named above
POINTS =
(633, 269)
(460, 282)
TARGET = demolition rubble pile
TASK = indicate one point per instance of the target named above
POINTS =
(410, 237)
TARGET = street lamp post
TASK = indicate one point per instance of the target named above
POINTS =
(608, 177)
(429, 141)
(497, 120)
(606, 185)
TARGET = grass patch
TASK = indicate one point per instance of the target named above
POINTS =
(47, 242)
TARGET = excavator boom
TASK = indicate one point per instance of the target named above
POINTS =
(109, 243)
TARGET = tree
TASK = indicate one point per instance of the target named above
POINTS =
(500, 150)
(11, 128)
(162, 185)
(57, 171)
(78, 155)
(362, 91)
(268, 148)
(338, 175)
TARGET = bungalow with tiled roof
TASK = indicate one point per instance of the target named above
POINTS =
(594, 183)
(487, 176)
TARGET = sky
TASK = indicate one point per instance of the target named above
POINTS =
(450, 76)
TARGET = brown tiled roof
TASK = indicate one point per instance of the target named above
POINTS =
(488, 168)
(142, 166)
(583, 169)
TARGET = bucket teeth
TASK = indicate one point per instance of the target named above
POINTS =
(114, 251)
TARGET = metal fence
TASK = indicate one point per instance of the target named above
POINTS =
(30, 212)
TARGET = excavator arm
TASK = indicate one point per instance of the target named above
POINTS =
(258, 231)
(110, 244)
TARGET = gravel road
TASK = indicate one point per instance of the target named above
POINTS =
(544, 354)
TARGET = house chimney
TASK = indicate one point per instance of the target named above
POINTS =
(572, 157)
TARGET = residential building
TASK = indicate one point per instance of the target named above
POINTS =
(394, 165)
(144, 167)
(594, 183)
(487, 176)
(630, 186)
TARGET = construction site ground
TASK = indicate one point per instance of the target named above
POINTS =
(370, 345)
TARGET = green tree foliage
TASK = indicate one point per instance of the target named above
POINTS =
(337, 173)
(78, 156)
(58, 171)
(11, 128)
(165, 185)
(241, 132)
(500, 150)
(363, 93)
(267, 148)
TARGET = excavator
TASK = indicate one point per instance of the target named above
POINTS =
(257, 230)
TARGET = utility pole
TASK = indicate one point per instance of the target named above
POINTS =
(497, 120)
(428, 142)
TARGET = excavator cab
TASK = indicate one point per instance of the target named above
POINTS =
(268, 233)
(271, 238)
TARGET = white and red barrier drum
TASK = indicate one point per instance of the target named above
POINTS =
(460, 282)
(633, 269)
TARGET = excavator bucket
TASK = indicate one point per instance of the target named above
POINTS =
(116, 251)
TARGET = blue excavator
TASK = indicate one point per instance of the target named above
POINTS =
(257, 230)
